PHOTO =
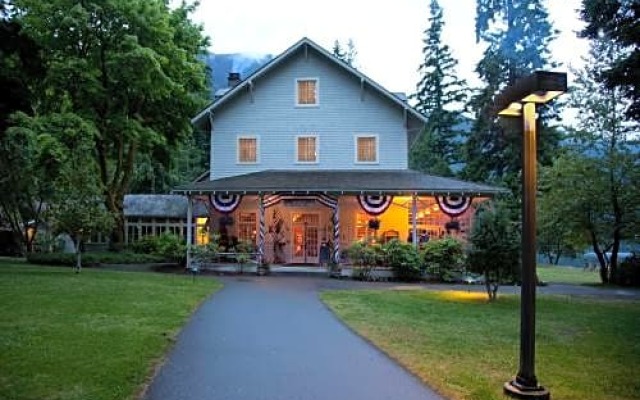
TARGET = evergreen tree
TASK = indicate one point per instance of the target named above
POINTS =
(439, 95)
(338, 51)
(619, 22)
(518, 33)
(348, 55)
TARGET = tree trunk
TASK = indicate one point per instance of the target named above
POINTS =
(78, 244)
(613, 261)
(115, 204)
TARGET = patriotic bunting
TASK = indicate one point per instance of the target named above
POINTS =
(374, 205)
(225, 203)
(453, 205)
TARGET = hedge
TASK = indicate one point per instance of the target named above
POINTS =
(93, 258)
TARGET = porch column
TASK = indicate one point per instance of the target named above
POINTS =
(262, 229)
(336, 232)
(414, 220)
(189, 228)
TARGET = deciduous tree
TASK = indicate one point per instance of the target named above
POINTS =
(593, 189)
(128, 68)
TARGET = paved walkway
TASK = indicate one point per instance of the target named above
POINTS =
(272, 339)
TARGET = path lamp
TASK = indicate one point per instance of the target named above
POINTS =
(519, 100)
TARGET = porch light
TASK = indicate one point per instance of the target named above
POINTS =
(519, 100)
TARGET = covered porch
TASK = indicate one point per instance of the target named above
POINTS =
(310, 217)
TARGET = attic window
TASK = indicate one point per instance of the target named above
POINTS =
(307, 92)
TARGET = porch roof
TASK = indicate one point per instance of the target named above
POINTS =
(396, 182)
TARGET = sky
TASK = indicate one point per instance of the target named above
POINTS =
(387, 34)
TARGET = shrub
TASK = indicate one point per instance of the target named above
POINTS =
(628, 272)
(167, 245)
(495, 249)
(364, 257)
(403, 258)
(93, 258)
(443, 258)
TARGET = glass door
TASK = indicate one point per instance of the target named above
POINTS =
(305, 238)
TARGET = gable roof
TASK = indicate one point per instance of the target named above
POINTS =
(304, 43)
(345, 182)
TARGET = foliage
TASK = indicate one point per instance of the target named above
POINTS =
(348, 55)
(364, 257)
(602, 208)
(463, 347)
(439, 96)
(20, 63)
(209, 251)
(628, 273)
(494, 250)
(130, 69)
(618, 23)
(93, 258)
(443, 258)
(517, 34)
(403, 258)
(96, 336)
(167, 245)
(243, 250)
(76, 207)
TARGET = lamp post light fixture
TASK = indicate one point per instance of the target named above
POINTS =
(519, 100)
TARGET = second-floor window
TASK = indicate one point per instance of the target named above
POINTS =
(307, 92)
(366, 149)
(247, 150)
(307, 149)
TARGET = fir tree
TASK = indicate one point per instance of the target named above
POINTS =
(348, 55)
(518, 33)
(439, 95)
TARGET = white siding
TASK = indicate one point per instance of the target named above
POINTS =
(343, 111)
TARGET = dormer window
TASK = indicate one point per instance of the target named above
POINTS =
(307, 92)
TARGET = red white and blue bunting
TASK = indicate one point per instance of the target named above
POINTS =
(374, 205)
(454, 205)
(225, 203)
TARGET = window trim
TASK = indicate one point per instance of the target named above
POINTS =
(355, 150)
(317, 142)
(257, 139)
(297, 98)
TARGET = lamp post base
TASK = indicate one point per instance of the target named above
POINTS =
(518, 391)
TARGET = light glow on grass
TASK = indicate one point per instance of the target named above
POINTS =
(466, 348)
(463, 297)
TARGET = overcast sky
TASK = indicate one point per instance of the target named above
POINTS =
(387, 34)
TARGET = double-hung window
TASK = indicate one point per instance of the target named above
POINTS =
(307, 92)
(247, 149)
(307, 149)
(366, 149)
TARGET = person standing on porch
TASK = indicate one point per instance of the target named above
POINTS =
(325, 253)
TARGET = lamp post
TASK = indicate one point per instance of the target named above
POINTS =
(519, 100)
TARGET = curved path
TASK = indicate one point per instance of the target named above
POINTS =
(272, 339)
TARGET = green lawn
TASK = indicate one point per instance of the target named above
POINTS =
(467, 348)
(95, 335)
(561, 274)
